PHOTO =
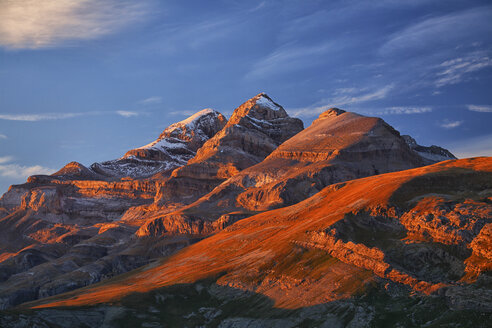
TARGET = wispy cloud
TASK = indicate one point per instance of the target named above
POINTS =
(33, 24)
(456, 70)
(38, 117)
(151, 100)
(446, 124)
(6, 159)
(182, 112)
(445, 29)
(16, 171)
(3, 136)
(399, 110)
(480, 108)
(345, 96)
(62, 116)
(289, 57)
(126, 113)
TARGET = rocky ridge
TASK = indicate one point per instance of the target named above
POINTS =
(174, 147)
(83, 225)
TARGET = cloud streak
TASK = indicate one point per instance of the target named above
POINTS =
(345, 96)
(60, 116)
(38, 117)
(480, 108)
(456, 70)
(450, 124)
(441, 30)
(3, 136)
(16, 171)
(33, 24)
(151, 100)
(405, 110)
(289, 58)
(126, 113)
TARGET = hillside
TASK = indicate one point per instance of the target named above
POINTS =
(360, 253)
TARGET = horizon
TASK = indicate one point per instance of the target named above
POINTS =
(106, 77)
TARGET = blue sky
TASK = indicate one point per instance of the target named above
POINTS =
(88, 80)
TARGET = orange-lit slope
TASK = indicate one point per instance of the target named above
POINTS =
(416, 228)
(338, 146)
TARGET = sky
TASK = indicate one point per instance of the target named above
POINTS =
(88, 80)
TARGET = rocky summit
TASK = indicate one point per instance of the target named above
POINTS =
(254, 221)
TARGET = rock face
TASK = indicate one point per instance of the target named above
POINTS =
(361, 252)
(83, 225)
(176, 145)
(255, 129)
(432, 154)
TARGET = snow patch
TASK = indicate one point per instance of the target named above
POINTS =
(265, 102)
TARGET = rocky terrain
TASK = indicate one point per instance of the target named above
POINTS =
(308, 224)
(403, 249)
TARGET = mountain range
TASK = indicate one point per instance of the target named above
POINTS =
(254, 221)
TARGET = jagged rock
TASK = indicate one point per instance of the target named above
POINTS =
(175, 146)
(432, 154)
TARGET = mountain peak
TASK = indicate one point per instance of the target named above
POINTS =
(260, 107)
(332, 112)
(175, 146)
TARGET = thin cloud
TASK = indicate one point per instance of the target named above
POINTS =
(480, 108)
(401, 110)
(61, 116)
(151, 100)
(183, 112)
(6, 159)
(450, 124)
(352, 96)
(445, 29)
(38, 117)
(3, 136)
(125, 113)
(289, 58)
(33, 24)
(16, 171)
(456, 70)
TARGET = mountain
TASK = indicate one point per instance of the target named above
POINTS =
(175, 146)
(255, 129)
(83, 225)
(402, 249)
(338, 146)
(432, 154)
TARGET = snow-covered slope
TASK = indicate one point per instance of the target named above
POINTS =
(432, 154)
(176, 145)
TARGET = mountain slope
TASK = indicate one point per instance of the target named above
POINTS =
(338, 146)
(175, 146)
(402, 235)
